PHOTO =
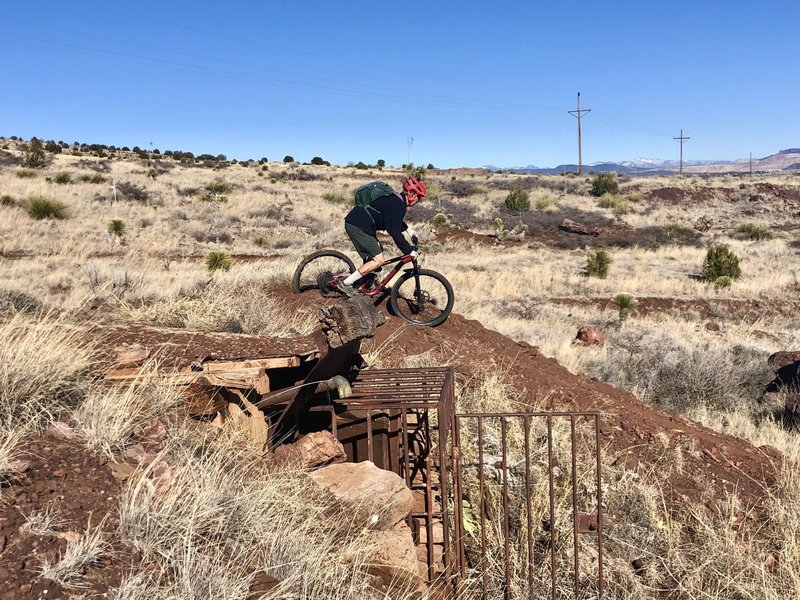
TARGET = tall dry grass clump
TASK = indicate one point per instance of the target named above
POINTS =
(227, 305)
(110, 415)
(43, 367)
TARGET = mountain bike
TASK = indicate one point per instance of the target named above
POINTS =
(419, 296)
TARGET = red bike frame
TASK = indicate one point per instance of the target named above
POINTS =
(400, 260)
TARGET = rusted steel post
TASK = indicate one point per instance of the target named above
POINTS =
(599, 509)
(552, 507)
(506, 516)
(369, 436)
(576, 561)
(484, 574)
(529, 516)
(429, 518)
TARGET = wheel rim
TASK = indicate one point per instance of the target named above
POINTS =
(423, 305)
(321, 272)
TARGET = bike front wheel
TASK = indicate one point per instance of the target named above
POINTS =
(319, 271)
(422, 297)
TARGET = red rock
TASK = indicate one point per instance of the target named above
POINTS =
(589, 336)
(59, 473)
(392, 558)
(311, 451)
(59, 430)
(376, 497)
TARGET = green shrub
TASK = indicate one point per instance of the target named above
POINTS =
(336, 198)
(218, 261)
(261, 241)
(439, 220)
(6, 200)
(598, 263)
(625, 303)
(116, 227)
(33, 154)
(63, 178)
(94, 178)
(26, 174)
(720, 261)
(219, 188)
(40, 207)
(753, 232)
(604, 183)
(518, 200)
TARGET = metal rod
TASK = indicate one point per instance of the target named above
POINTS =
(506, 516)
(576, 562)
(599, 509)
(552, 507)
(528, 521)
(429, 517)
(484, 573)
(369, 435)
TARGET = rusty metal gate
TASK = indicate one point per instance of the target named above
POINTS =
(531, 505)
(508, 505)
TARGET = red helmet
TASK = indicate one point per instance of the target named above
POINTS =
(415, 186)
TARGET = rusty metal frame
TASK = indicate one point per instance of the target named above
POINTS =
(475, 574)
(405, 420)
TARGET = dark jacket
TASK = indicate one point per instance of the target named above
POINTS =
(384, 214)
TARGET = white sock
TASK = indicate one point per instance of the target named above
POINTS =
(352, 278)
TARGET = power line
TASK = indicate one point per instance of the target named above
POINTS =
(578, 114)
(681, 140)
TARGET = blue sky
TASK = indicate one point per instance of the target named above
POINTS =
(473, 83)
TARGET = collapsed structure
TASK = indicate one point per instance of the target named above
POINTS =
(465, 491)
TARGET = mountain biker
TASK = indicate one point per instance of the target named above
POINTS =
(385, 213)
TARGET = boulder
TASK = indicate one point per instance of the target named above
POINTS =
(571, 226)
(392, 560)
(378, 498)
(311, 451)
(349, 320)
(785, 367)
(589, 336)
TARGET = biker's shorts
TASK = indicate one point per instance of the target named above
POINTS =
(366, 245)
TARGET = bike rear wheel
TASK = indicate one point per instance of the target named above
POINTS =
(318, 270)
(422, 298)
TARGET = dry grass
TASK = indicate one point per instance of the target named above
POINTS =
(223, 508)
(80, 555)
(43, 365)
(110, 415)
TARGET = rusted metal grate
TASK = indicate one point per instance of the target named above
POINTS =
(531, 489)
(508, 504)
(402, 420)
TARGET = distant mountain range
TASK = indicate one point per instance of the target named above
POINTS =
(783, 160)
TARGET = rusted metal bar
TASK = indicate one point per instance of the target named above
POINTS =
(599, 508)
(576, 563)
(370, 454)
(506, 516)
(484, 572)
(552, 507)
(429, 520)
(528, 521)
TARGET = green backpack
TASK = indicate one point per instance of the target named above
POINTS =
(373, 190)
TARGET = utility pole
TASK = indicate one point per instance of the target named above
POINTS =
(578, 114)
(680, 140)
(410, 143)
(751, 164)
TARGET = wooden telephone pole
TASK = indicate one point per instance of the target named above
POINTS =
(578, 114)
(680, 140)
